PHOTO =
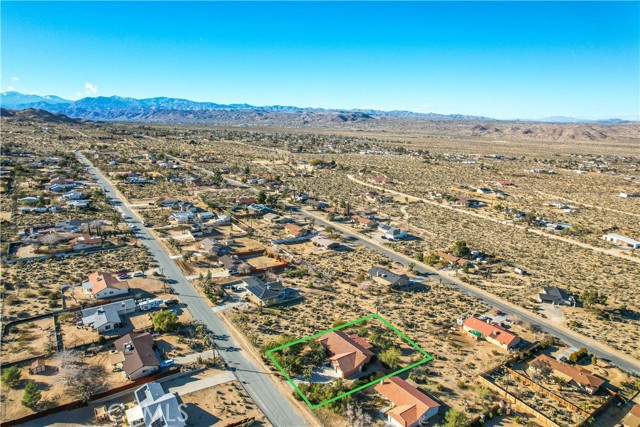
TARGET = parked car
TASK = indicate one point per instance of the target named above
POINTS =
(138, 274)
(167, 363)
(170, 302)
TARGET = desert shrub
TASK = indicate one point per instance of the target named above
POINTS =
(11, 376)
(165, 321)
(32, 395)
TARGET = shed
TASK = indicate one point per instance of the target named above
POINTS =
(38, 366)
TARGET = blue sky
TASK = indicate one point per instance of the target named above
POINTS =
(502, 59)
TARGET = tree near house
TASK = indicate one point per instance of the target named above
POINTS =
(262, 197)
(541, 370)
(591, 298)
(11, 376)
(143, 266)
(165, 321)
(316, 353)
(32, 395)
(391, 357)
(83, 381)
(307, 373)
(460, 249)
(454, 418)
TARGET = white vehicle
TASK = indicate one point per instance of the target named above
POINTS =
(150, 304)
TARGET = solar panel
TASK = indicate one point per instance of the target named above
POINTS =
(141, 394)
(158, 423)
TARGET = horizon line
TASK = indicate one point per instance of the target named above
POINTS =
(422, 111)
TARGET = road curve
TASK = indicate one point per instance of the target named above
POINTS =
(276, 407)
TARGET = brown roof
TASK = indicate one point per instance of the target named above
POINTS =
(86, 239)
(580, 375)
(491, 330)
(293, 229)
(137, 350)
(101, 281)
(37, 362)
(632, 419)
(245, 199)
(452, 258)
(347, 352)
(411, 403)
(363, 220)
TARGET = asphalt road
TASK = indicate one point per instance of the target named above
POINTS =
(572, 338)
(276, 407)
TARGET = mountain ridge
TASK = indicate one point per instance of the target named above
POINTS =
(127, 108)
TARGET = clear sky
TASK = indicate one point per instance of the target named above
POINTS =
(502, 59)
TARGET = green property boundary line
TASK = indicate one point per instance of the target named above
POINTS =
(427, 358)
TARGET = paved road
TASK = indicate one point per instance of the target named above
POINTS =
(276, 407)
(572, 338)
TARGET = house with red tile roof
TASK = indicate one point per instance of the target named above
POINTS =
(410, 405)
(578, 375)
(104, 285)
(348, 353)
(491, 332)
(245, 200)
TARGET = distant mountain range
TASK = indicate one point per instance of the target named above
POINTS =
(175, 109)
(172, 109)
(163, 109)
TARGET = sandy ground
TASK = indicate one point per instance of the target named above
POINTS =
(27, 340)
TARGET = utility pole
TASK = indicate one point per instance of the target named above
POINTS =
(164, 280)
